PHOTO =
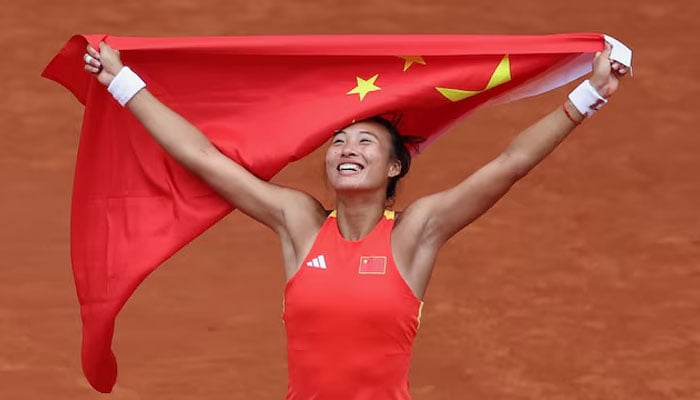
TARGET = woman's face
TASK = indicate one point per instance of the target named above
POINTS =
(359, 159)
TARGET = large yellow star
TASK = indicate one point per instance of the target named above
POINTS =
(500, 76)
(409, 60)
(365, 86)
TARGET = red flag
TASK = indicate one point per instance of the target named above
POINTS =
(373, 265)
(264, 101)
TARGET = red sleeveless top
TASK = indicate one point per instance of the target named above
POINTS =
(350, 318)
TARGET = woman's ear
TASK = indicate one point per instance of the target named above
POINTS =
(394, 168)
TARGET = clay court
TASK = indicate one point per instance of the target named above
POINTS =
(583, 283)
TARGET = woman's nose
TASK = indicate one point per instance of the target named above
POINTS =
(349, 149)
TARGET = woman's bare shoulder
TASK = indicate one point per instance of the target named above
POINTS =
(303, 211)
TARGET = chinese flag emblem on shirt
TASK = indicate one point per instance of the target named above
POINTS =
(373, 265)
(265, 102)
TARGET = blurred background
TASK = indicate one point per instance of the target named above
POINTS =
(583, 283)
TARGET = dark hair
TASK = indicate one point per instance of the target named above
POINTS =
(401, 146)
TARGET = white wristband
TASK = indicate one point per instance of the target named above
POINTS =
(586, 99)
(125, 85)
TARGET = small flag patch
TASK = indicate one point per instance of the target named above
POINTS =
(373, 265)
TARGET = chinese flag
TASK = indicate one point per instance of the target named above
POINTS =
(264, 101)
(373, 265)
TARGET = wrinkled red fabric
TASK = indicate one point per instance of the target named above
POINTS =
(264, 101)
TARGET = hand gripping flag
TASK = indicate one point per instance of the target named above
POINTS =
(265, 102)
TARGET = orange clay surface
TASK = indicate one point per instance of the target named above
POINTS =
(583, 283)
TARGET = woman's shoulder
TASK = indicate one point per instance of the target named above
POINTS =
(393, 214)
(411, 221)
(301, 210)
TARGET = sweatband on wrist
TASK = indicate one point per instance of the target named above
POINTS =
(125, 85)
(586, 99)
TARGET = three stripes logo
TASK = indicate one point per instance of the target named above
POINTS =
(317, 262)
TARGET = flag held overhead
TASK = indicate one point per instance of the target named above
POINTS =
(264, 101)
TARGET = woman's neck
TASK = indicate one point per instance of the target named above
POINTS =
(358, 215)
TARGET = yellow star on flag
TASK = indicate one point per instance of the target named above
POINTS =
(409, 60)
(365, 86)
(500, 76)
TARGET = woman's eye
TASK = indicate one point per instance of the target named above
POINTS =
(364, 140)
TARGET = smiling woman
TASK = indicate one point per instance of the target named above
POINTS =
(373, 134)
(355, 276)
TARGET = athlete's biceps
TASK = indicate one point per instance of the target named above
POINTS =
(253, 196)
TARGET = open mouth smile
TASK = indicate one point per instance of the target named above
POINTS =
(350, 167)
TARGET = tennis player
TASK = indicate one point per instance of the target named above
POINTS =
(355, 274)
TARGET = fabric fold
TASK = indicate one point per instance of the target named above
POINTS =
(264, 101)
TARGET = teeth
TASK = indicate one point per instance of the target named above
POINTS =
(349, 167)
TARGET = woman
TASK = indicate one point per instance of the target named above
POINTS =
(355, 276)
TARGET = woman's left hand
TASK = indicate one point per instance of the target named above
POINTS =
(606, 73)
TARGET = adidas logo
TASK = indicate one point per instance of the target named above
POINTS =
(317, 262)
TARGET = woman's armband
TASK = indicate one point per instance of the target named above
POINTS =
(586, 99)
(125, 85)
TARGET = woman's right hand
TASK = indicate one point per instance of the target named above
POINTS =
(104, 64)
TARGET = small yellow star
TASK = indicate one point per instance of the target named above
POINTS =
(410, 60)
(365, 86)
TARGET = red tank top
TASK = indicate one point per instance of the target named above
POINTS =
(350, 318)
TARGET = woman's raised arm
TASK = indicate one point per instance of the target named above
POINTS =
(255, 197)
(443, 214)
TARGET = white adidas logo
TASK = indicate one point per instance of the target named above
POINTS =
(317, 262)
